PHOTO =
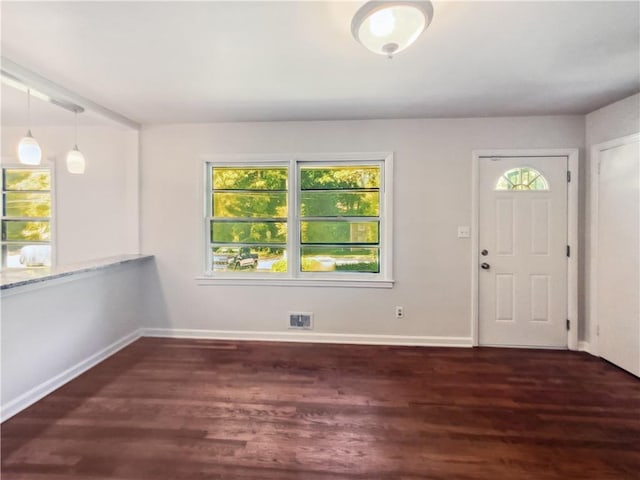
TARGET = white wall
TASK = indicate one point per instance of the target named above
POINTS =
(608, 123)
(613, 121)
(432, 197)
(53, 331)
(96, 214)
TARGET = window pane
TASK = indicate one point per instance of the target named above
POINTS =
(330, 259)
(255, 259)
(14, 230)
(27, 204)
(504, 184)
(539, 183)
(522, 178)
(339, 232)
(336, 204)
(248, 232)
(233, 205)
(338, 178)
(20, 256)
(21, 179)
(251, 178)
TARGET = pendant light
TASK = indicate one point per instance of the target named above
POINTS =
(75, 159)
(29, 152)
(388, 27)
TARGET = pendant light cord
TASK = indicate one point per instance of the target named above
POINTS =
(28, 109)
(75, 117)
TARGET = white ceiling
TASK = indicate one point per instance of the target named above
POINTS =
(166, 62)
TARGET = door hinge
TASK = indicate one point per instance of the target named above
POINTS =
(568, 251)
(597, 330)
(568, 176)
(568, 324)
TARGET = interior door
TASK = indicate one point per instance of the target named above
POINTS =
(523, 252)
(618, 256)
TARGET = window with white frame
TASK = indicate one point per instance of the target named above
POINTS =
(299, 218)
(26, 217)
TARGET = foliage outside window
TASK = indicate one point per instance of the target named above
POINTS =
(522, 178)
(248, 225)
(295, 219)
(339, 218)
(26, 217)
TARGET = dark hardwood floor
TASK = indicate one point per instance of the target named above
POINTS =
(192, 409)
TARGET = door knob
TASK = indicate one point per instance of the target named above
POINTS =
(485, 266)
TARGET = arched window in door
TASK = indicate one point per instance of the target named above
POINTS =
(522, 178)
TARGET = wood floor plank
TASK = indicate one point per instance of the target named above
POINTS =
(204, 409)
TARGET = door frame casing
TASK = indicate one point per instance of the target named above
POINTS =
(572, 231)
(594, 187)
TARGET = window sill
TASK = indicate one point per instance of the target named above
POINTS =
(293, 282)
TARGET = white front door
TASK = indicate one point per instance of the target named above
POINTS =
(523, 251)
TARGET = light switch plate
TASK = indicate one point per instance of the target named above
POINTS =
(464, 232)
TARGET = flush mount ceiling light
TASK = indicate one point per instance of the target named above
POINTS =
(29, 152)
(75, 159)
(388, 27)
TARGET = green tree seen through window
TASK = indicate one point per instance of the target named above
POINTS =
(26, 215)
(338, 206)
(26, 195)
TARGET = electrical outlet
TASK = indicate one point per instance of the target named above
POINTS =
(399, 312)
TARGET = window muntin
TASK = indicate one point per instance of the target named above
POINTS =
(26, 217)
(334, 227)
(522, 178)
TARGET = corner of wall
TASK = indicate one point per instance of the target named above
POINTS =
(616, 120)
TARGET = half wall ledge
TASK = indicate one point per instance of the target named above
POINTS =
(30, 276)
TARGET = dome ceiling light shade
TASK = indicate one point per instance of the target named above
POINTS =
(388, 27)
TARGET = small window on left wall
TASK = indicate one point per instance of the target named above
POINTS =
(26, 217)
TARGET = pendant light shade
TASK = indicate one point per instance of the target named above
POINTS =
(388, 27)
(29, 152)
(75, 159)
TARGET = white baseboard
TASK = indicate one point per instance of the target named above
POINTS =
(28, 398)
(586, 347)
(312, 337)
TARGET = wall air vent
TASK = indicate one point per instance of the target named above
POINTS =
(301, 320)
